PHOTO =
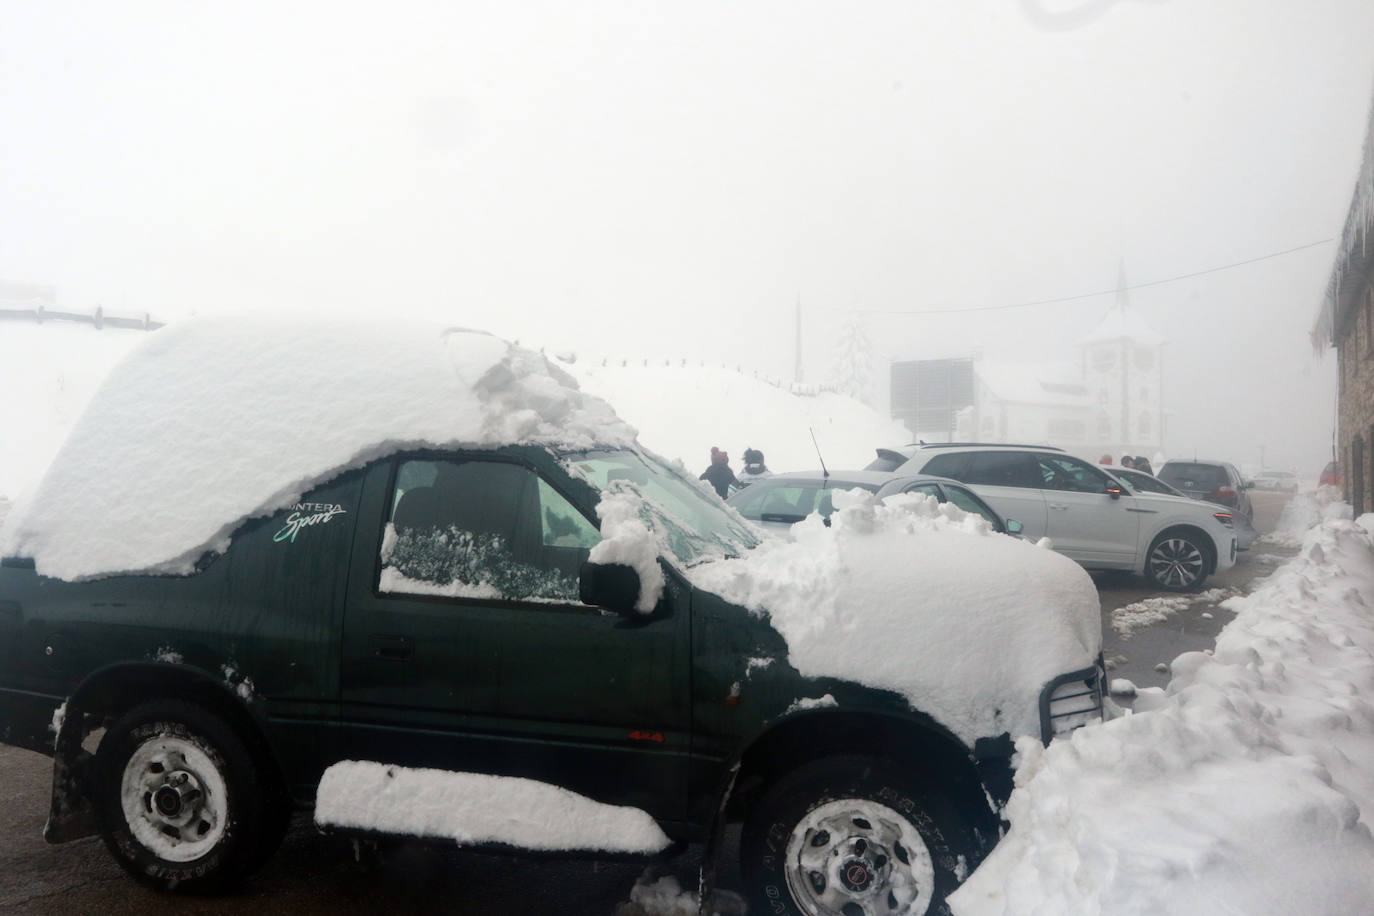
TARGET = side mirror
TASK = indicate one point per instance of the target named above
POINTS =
(1114, 490)
(613, 586)
(1013, 526)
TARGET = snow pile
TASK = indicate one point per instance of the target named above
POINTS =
(1140, 614)
(921, 598)
(476, 808)
(1304, 512)
(626, 539)
(681, 411)
(213, 421)
(1245, 789)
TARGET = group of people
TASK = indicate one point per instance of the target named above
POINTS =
(1139, 463)
(722, 478)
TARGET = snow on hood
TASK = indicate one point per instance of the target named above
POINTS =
(1245, 787)
(921, 598)
(217, 420)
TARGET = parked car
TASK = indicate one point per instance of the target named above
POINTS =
(1217, 482)
(1087, 514)
(1141, 482)
(408, 555)
(782, 500)
(1285, 481)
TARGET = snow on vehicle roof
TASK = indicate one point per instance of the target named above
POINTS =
(213, 421)
(921, 598)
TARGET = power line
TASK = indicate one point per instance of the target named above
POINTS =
(1102, 292)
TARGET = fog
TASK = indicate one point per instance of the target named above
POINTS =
(628, 181)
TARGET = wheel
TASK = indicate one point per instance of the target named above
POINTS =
(1178, 562)
(854, 836)
(178, 799)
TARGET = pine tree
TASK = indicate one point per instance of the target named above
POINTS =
(852, 371)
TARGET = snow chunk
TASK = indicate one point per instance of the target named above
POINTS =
(477, 808)
(626, 539)
(923, 599)
(213, 421)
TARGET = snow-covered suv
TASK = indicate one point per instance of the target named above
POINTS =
(416, 578)
(1175, 543)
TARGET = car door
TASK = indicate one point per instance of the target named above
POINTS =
(1009, 481)
(465, 646)
(1086, 522)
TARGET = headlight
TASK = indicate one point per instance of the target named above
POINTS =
(1224, 518)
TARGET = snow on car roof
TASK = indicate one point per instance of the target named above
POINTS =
(213, 421)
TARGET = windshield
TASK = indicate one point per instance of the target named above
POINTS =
(693, 523)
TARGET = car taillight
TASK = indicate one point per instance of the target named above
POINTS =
(1224, 518)
(1223, 494)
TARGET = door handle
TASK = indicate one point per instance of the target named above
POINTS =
(396, 648)
(1060, 506)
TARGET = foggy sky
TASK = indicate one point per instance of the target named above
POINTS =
(619, 179)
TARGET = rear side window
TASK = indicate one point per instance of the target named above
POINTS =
(951, 465)
(1190, 476)
(1003, 469)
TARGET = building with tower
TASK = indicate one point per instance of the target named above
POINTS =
(1105, 398)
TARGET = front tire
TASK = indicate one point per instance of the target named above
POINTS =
(178, 799)
(854, 836)
(1178, 561)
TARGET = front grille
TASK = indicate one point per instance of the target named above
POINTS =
(1070, 701)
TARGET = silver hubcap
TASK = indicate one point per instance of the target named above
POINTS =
(174, 799)
(1176, 562)
(854, 857)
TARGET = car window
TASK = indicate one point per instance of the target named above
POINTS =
(947, 464)
(929, 489)
(776, 502)
(1003, 469)
(965, 500)
(1191, 476)
(1064, 472)
(1146, 484)
(482, 529)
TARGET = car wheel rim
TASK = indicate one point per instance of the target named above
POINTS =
(174, 799)
(854, 857)
(1176, 562)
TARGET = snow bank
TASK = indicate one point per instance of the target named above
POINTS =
(476, 808)
(1246, 788)
(212, 421)
(921, 598)
(681, 411)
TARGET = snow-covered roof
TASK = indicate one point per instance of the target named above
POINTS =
(1046, 383)
(1123, 322)
(216, 420)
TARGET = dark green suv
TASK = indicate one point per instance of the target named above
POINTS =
(460, 610)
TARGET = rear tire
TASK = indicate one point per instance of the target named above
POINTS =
(858, 836)
(178, 798)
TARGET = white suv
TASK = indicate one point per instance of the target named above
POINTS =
(1175, 542)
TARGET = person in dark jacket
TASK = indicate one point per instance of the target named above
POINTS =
(719, 474)
(1143, 464)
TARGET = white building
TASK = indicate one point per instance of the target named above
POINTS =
(1104, 399)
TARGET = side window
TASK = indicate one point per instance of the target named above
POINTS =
(972, 504)
(482, 529)
(928, 489)
(1004, 469)
(953, 466)
(1062, 472)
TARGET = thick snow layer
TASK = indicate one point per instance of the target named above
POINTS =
(48, 372)
(1245, 788)
(476, 808)
(213, 421)
(681, 411)
(626, 539)
(924, 599)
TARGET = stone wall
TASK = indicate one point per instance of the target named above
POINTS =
(1355, 413)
